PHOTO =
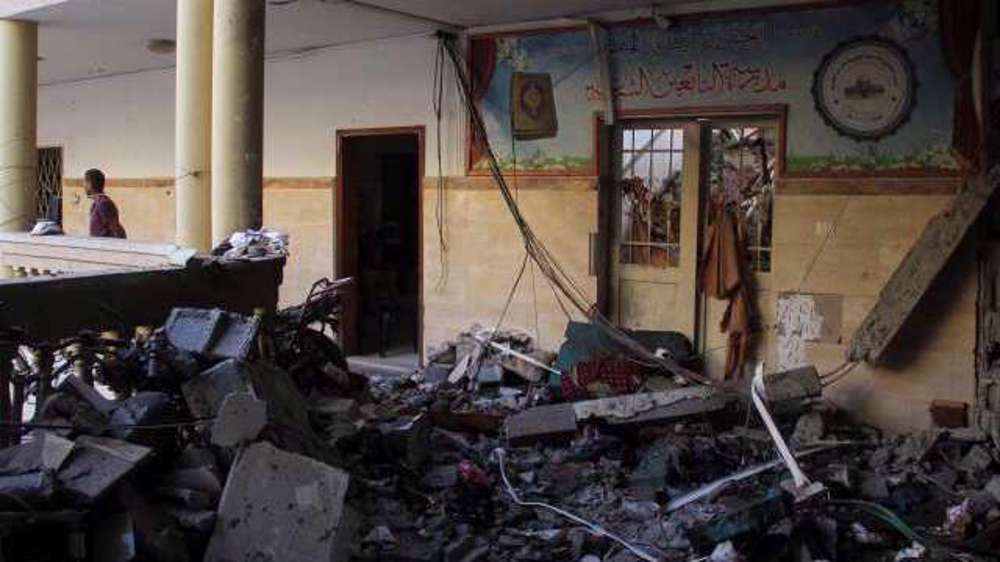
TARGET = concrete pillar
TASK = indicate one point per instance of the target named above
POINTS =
(193, 135)
(18, 124)
(237, 116)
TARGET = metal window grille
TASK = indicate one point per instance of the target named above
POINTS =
(652, 161)
(48, 197)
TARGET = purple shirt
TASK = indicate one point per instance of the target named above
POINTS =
(104, 218)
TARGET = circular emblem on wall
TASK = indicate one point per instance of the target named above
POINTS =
(865, 88)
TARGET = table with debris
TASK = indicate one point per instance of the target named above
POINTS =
(224, 437)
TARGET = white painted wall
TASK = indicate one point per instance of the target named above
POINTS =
(125, 124)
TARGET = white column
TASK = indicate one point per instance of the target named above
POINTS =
(193, 135)
(18, 124)
(237, 116)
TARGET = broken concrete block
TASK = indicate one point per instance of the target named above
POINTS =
(241, 418)
(793, 386)
(287, 410)
(554, 423)
(809, 429)
(281, 507)
(205, 393)
(212, 333)
(145, 408)
(43, 451)
(97, 464)
(949, 414)
(408, 439)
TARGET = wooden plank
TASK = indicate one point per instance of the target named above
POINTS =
(914, 276)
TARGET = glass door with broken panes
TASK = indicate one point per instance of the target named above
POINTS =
(671, 176)
(653, 263)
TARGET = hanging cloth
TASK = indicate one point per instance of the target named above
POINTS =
(722, 279)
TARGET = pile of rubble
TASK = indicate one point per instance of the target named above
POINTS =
(246, 438)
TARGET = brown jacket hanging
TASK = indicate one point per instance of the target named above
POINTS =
(722, 278)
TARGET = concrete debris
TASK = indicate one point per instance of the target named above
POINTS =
(234, 438)
(211, 333)
(809, 429)
(97, 464)
(655, 407)
(41, 451)
(281, 507)
(795, 385)
(241, 418)
(555, 423)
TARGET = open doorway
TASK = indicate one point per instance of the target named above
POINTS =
(379, 241)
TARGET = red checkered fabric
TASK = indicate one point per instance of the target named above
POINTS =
(620, 376)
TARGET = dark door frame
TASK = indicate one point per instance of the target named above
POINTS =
(349, 326)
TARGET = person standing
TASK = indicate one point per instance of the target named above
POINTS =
(104, 221)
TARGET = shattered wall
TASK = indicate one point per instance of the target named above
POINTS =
(935, 354)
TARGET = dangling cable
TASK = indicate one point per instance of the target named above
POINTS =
(439, 211)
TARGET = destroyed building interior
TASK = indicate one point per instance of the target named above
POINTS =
(519, 280)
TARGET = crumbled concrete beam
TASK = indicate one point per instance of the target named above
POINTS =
(281, 507)
(915, 274)
(654, 407)
(97, 464)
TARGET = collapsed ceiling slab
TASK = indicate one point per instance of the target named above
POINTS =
(918, 270)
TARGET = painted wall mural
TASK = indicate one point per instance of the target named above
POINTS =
(866, 85)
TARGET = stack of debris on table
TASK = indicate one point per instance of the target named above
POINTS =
(239, 438)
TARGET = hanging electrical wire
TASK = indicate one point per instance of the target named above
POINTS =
(547, 263)
(439, 211)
